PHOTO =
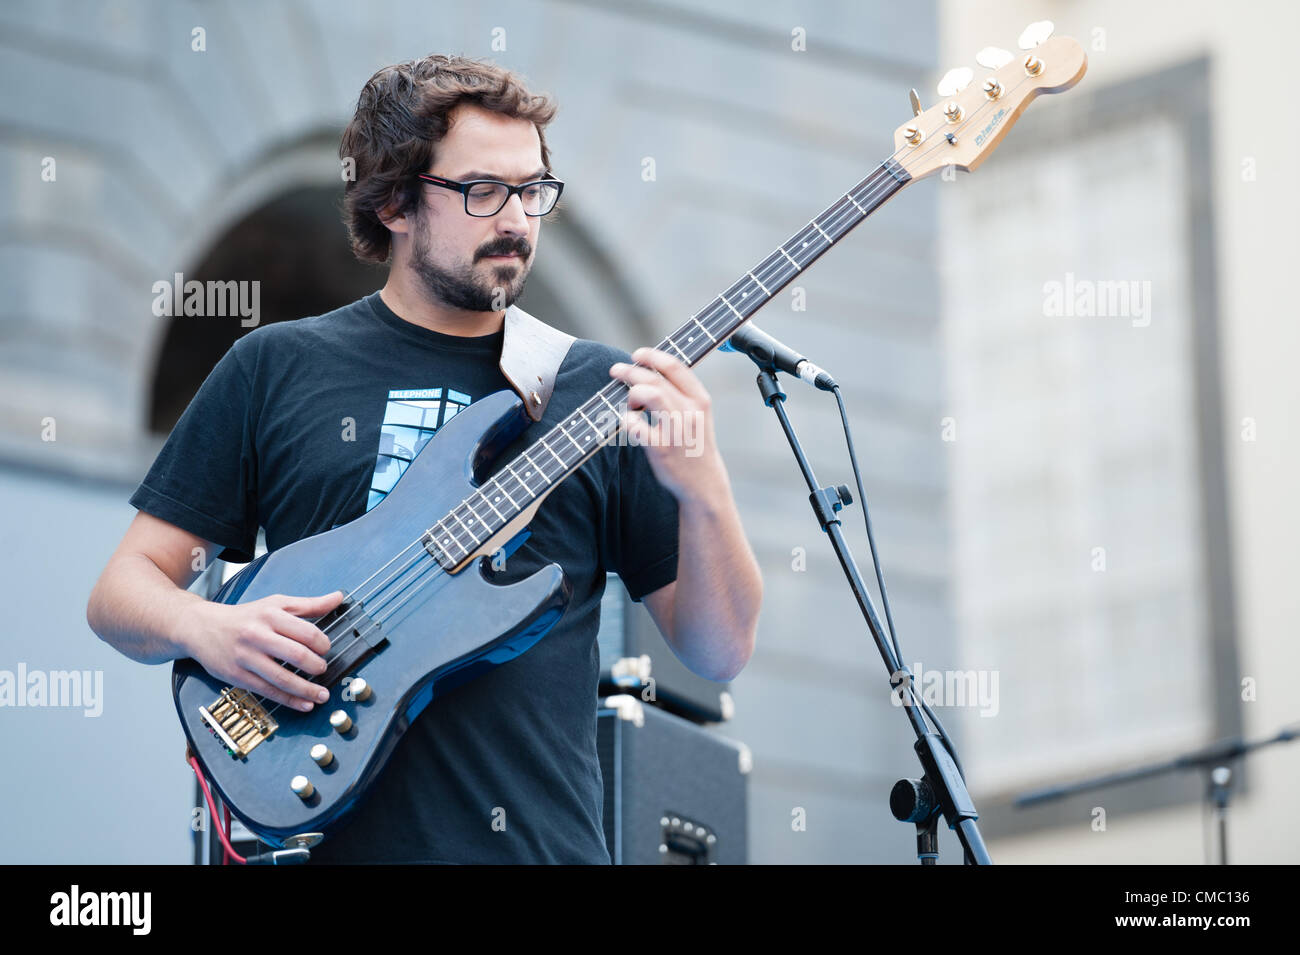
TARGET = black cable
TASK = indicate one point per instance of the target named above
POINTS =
(884, 594)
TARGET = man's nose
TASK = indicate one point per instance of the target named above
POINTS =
(511, 218)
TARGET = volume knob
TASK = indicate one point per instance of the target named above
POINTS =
(359, 689)
(321, 753)
(340, 720)
(302, 786)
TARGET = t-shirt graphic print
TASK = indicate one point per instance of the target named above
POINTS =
(411, 417)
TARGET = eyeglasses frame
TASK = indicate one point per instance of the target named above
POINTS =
(464, 187)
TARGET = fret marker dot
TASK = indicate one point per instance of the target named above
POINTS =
(805, 245)
(498, 497)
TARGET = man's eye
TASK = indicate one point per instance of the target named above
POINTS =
(532, 192)
(482, 192)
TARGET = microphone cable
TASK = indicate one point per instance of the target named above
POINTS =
(884, 594)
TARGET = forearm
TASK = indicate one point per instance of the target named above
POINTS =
(137, 609)
(719, 588)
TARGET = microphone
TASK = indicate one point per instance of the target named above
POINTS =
(766, 352)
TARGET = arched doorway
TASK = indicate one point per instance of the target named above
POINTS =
(296, 248)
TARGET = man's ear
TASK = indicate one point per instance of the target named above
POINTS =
(395, 221)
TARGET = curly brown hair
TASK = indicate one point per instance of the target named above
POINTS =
(402, 114)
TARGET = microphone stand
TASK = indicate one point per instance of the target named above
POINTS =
(941, 787)
(1215, 758)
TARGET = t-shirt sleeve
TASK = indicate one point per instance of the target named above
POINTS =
(204, 478)
(641, 527)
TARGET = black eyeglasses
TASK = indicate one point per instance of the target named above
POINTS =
(487, 197)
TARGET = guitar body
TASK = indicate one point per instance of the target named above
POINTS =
(427, 632)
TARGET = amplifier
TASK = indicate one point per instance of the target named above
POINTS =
(675, 793)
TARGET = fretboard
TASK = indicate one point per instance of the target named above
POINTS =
(564, 448)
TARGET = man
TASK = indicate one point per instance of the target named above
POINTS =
(304, 425)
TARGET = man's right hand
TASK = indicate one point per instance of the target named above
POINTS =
(245, 644)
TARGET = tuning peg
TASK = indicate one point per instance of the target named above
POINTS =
(915, 99)
(955, 80)
(1035, 34)
(992, 57)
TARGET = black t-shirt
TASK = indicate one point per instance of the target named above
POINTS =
(304, 425)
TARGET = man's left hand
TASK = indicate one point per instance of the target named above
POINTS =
(679, 442)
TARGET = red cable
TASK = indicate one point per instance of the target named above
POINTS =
(228, 852)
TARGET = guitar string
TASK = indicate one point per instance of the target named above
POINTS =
(707, 317)
(872, 183)
(883, 177)
(482, 492)
(834, 222)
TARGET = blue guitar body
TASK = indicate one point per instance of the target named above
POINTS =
(423, 634)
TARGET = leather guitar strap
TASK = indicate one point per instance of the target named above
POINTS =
(531, 354)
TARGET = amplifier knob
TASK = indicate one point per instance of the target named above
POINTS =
(340, 720)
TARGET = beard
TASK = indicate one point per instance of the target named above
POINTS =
(459, 287)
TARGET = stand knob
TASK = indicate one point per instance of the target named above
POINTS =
(911, 800)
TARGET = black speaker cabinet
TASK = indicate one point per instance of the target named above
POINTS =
(675, 792)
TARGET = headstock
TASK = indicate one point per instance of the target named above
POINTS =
(971, 120)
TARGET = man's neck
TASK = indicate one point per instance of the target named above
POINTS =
(411, 306)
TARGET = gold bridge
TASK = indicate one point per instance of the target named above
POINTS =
(238, 720)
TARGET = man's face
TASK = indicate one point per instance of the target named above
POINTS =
(468, 262)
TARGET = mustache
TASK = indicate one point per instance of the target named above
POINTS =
(506, 247)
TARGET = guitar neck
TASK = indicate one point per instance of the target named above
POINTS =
(718, 321)
(564, 448)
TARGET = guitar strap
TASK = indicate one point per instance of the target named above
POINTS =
(531, 354)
